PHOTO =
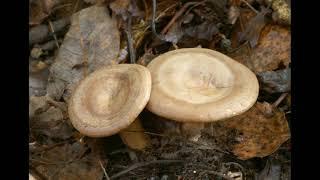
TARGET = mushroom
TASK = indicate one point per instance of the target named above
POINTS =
(109, 100)
(195, 86)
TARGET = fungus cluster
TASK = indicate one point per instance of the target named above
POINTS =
(192, 86)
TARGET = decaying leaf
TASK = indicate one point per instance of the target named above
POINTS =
(126, 8)
(205, 30)
(120, 7)
(92, 42)
(146, 58)
(272, 171)
(257, 133)
(276, 81)
(175, 33)
(38, 77)
(90, 1)
(47, 117)
(68, 162)
(40, 9)
(273, 49)
(253, 28)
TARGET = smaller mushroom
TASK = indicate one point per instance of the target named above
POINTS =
(195, 86)
(109, 100)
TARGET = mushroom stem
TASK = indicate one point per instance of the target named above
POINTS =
(192, 130)
(134, 137)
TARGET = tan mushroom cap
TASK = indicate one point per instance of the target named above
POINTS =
(109, 99)
(200, 85)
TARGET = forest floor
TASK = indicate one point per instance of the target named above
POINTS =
(64, 35)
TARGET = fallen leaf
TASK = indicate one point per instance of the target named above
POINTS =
(275, 81)
(272, 171)
(91, 1)
(68, 7)
(93, 41)
(49, 118)
(126, 8)
(146, 58)
(257, 133)
(38, 77)
(42, 33)
(120, 7)
(174, 33)
(253, 28)
(272, 50)
(40, 9)
(68, 162)
(205, 30)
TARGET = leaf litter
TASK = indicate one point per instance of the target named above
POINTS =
(99, 35)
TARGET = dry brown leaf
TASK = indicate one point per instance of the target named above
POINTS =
(253, 28)
(120, 6)
(66, 163)
(92, 41)
(259, 133)
(47, 117)
(273, 49)
(38, 77)
(205, 30)
(275, 81)
(40, 9)
(68, 7)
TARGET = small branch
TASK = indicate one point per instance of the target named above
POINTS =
(138, 165)
(164, 12)
(178, 14)
(153, 23)
(249, 5)
(54, 34)
(104, 171)
(279, 100)
(130, 41)
(41, 33)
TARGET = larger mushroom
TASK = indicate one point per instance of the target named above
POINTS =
(109, 100)
(195, 86)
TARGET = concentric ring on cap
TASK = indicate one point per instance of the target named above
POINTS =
(109, 99)
(200, 85)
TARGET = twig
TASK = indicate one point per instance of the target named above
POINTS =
(129, 39)
(142, 164)
(155, 134)
(104, 171)
(54, 34)
(146, 9)
(178, 14)
(146, 132)
(279, 100)
(41, 33)
(249, 5)
(219, 174)
(153, 23)
(164, 12)
(60, 6)
(75, 7)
